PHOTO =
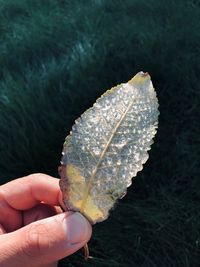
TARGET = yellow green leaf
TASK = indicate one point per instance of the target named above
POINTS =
(107, 146)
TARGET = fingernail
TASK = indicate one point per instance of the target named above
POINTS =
(76, 228)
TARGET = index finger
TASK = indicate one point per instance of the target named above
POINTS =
(24, 193)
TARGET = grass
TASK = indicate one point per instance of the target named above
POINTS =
(56, 58)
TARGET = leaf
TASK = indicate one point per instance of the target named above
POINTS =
(107, 146)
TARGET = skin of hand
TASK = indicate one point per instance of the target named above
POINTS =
(34, 231)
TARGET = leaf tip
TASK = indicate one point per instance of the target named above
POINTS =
(140, 78)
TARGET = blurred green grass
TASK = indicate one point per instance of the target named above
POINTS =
(57, 57)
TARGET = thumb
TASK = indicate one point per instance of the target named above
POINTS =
(45, 241)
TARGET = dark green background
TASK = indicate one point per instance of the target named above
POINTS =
(56, 58)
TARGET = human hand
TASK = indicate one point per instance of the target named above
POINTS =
(27, 236)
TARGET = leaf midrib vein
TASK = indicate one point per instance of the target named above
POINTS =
(89, 185)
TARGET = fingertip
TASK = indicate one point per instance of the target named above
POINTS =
(28, 191)
(77, 228)
(78, 232)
